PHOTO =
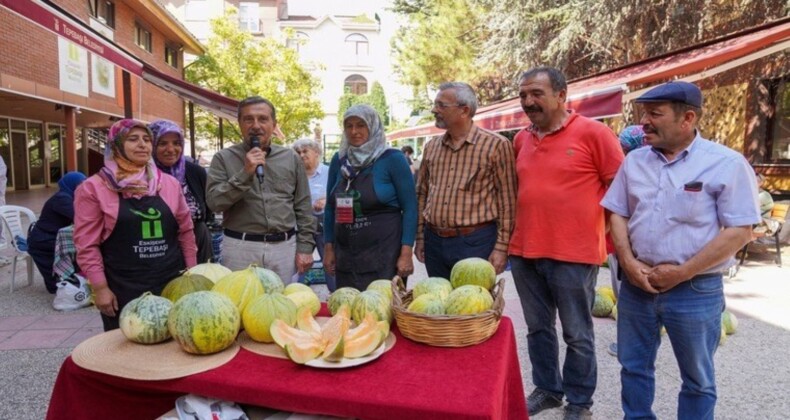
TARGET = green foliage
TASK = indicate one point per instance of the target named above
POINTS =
(487, 43)
(375, 98)
(238, 66)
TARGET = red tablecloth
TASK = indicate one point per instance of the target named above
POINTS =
(411, 381)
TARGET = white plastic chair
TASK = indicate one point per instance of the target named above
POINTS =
(13, 226)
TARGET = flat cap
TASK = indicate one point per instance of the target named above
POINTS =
(675, 91)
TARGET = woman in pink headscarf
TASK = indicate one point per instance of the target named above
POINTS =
(132, 226)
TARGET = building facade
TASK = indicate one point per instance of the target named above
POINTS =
(70, 68)
(345, 44)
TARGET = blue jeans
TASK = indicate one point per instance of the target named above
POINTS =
(546, 287)
(691, 313)
(442, 253)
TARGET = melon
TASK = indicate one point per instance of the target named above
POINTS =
(340, 297)
(185, 284)
(283, 334)
(258, 316)
(729, 322)
(613, 315)
(332, 333)
(602, 306)
(474, 271)
(303, 350)
(296, 288)
(144, 319)
(383, 286)
(270, 281)
(307, 323)
(371, 301)
(468, 300)
(241, 287)
(211, 271)
(435, 285)
(428, 304)
(204, 322)
(306, 299)
(608, 292)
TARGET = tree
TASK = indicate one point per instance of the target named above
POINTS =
(376, 99)
(583, 37)
(487, 43)
(238, 66)
(439, 42)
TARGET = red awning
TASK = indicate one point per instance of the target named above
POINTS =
(601, 95)
(219, 105)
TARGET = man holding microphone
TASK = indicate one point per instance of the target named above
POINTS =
(263, 192)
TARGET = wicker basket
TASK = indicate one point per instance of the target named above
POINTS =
(446, 330)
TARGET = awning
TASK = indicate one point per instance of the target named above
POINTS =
(601, 95)
(219, 105)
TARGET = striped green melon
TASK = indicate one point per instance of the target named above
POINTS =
(434, 285)
(340, 297)
(602, 305)
(258, 316)
(428, 304)
(186, 284)
(473, 271)
(144, 319)
(371, 301)
(240, 286)
(270, 281)
(729, 322)
(468, 300)
(383, 286)
(211, 271)
(204, 322)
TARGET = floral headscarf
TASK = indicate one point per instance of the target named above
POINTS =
(70, 181)
(359, 157)
(632, 137)
(121, 174)
(159, 128)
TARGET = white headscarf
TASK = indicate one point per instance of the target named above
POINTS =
(360, 157)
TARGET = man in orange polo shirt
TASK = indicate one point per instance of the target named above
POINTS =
(564, 163)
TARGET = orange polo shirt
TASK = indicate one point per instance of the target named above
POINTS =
(561, 181)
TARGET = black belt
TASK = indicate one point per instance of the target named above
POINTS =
(256, 237)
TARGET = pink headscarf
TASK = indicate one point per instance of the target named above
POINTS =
(121, 174)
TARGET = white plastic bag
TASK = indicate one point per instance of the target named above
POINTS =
(70, 297)
(195, 407)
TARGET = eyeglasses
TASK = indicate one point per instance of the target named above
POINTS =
(442, 105)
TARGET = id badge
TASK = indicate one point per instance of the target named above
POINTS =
(344, 212)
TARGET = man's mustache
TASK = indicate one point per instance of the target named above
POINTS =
(532, 108)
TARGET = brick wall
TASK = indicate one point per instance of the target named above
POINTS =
(39, 64)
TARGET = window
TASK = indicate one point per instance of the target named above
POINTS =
(249, 17)
(103, 11)
(171, 55)
(779, 122)
(142, 37)
(357, 44)
(356, 84)
(297, 41)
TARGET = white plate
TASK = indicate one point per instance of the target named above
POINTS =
(321, 363)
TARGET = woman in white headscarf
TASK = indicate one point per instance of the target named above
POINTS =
(370, 220)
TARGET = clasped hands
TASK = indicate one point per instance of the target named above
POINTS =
(658, 279)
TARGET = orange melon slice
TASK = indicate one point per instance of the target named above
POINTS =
(363, 345)
(303, 350)
(306, 322)
(284, 334)
(332, 335)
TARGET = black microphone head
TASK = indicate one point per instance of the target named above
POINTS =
(255, 141)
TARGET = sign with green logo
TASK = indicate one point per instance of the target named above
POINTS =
(152, 223)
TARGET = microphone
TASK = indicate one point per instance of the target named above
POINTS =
(255, 142)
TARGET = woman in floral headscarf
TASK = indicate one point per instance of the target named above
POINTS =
(370, 219)
(57, 213)
(169, 157)
(132, 226)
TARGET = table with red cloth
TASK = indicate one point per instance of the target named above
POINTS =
(411, 381)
